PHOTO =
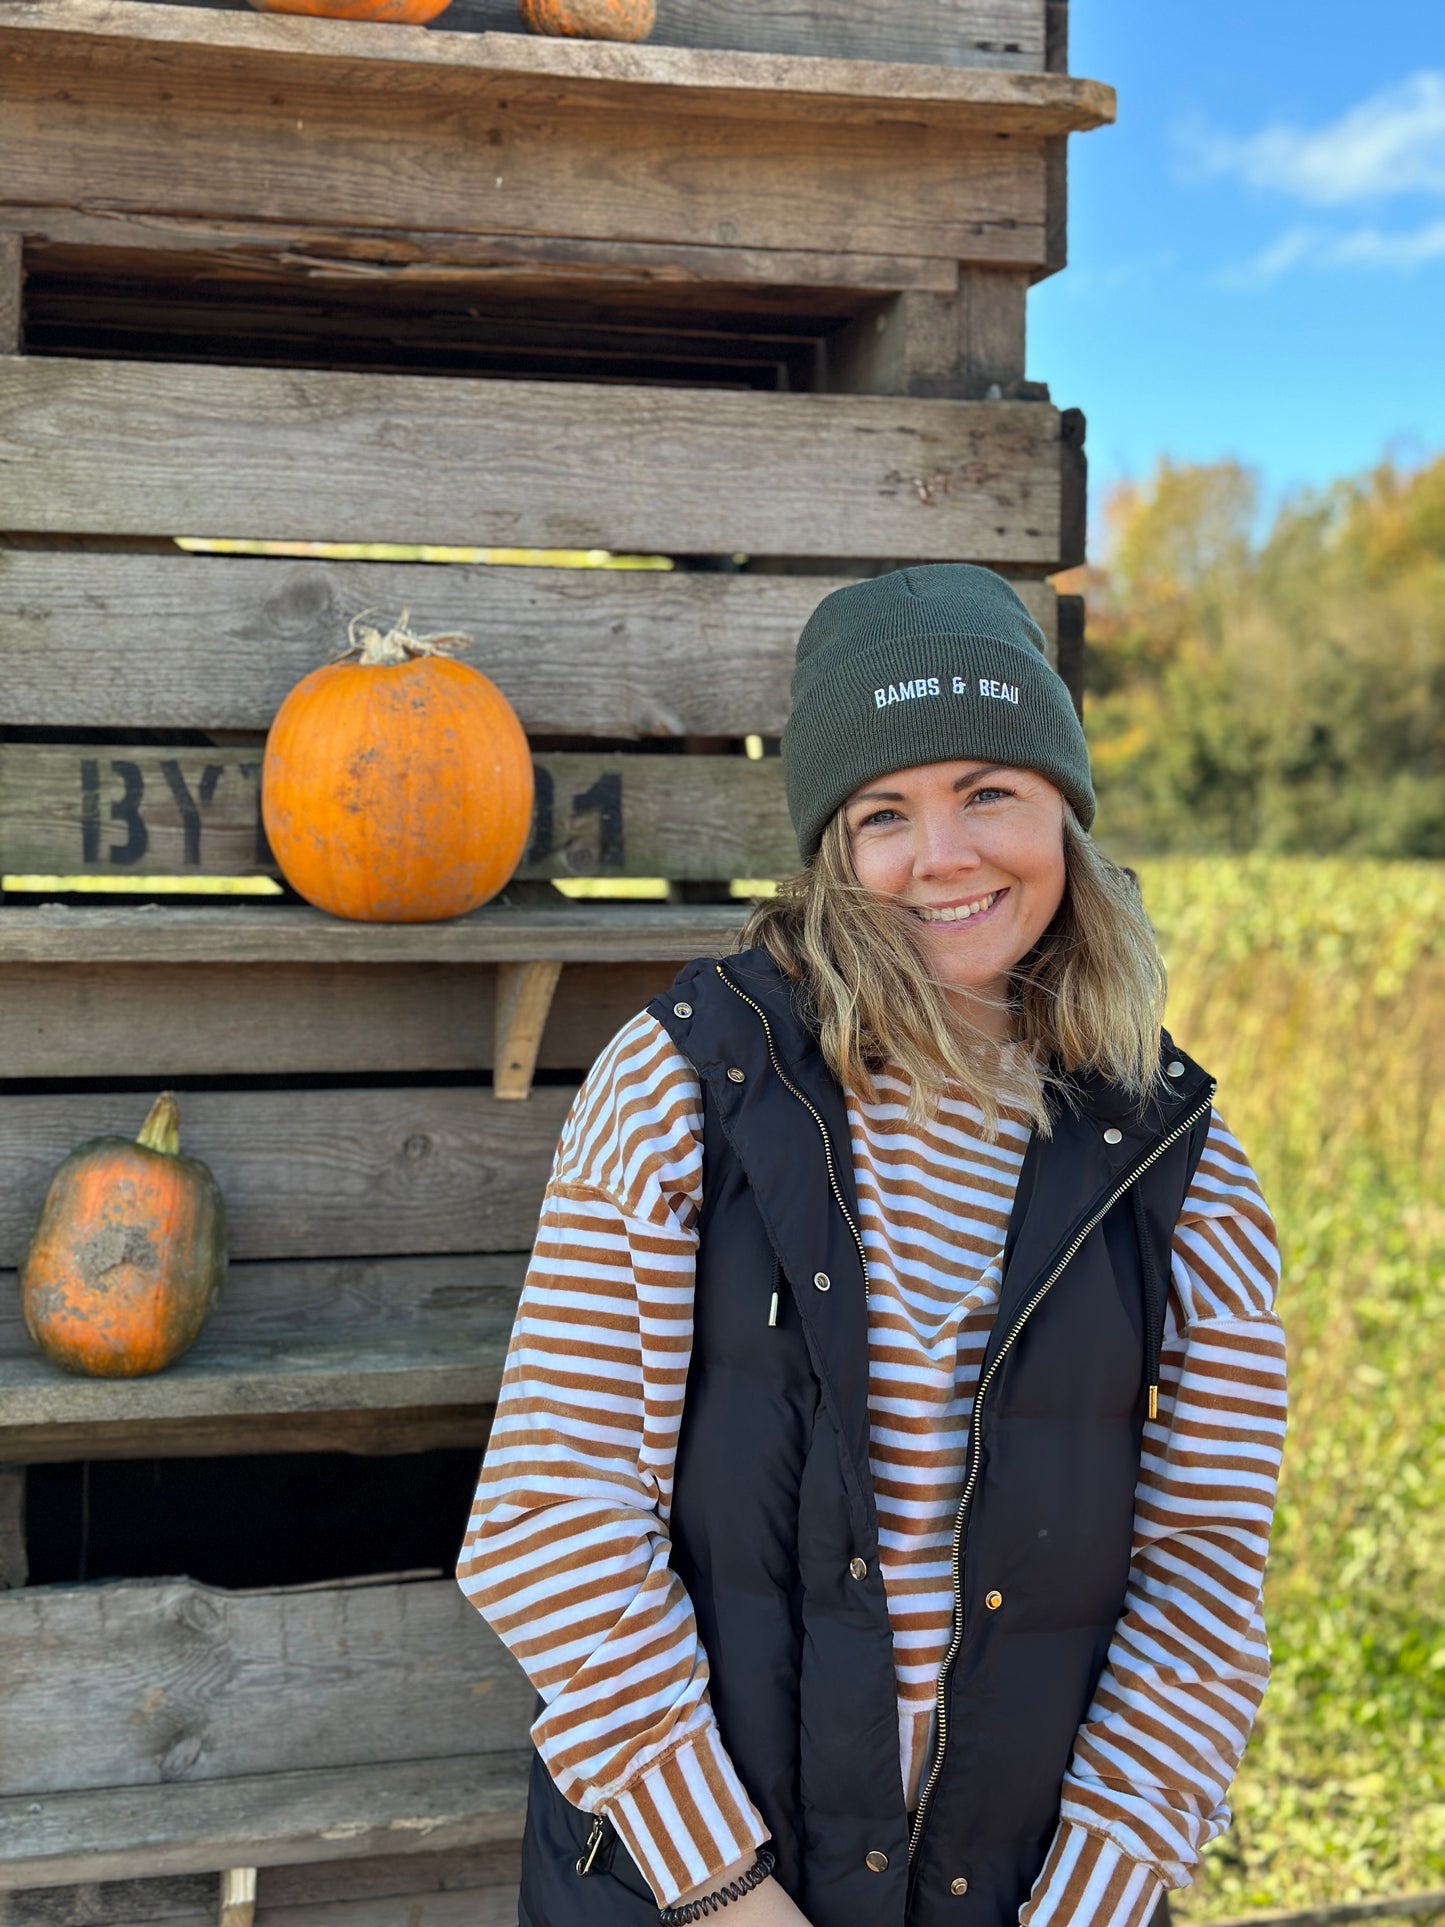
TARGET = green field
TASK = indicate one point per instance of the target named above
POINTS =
(1315, 992)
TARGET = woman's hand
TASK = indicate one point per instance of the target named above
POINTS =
(766, 1906)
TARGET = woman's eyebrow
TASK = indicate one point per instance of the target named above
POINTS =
(896, 796)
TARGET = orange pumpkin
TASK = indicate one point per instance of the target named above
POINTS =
(128, 1253)
(397, 783)
(401, 13)
(590, 19)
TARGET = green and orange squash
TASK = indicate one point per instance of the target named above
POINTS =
(127, 1255)
(589, 19)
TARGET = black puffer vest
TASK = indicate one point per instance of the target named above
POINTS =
(773, 1525)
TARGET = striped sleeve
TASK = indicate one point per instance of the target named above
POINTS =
(1186, 1670)
(566, 1553)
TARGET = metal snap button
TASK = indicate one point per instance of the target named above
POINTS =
(858, 1568)
(682, 1010)
(959, 1886)
(993, 1600)
(1112, 1136)
(876, 1862)
(735, 1076)
(1176, 1069)
(822, 1281)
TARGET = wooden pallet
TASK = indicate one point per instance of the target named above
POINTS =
(750, 297)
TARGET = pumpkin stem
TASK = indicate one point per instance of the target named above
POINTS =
(372, 646)
(162, 1128)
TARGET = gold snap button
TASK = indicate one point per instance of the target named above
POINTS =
(1112, 1136)
(735, 1076)
(993, 1600)
(1176, 1069)
(858, 1568)
(876, 1862)
(959, 1886)
(822, 1281)
(682, 1010)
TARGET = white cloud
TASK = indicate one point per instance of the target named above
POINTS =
(1370, 248)
(1316, 247)
(1391, 143)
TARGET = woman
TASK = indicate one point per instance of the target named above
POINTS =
(879, 1491)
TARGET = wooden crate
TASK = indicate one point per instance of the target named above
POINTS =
(755, 290)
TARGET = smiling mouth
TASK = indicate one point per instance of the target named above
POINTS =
(958, 912)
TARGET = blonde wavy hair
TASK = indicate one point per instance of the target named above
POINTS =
(1089, 997)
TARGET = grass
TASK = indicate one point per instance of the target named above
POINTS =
(1315, 991)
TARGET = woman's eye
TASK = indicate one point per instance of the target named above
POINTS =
(874, 818)
(987, 794)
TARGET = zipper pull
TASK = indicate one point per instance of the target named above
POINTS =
(589, 1852)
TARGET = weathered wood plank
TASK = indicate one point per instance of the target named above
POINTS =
(147, 1681)
(978, 33)
(375, 1431)
(467, 1888)
(12, 280)
(588, 933)
(279, 1309)
(574, 72)
(138, 448)
(475, 1871)
(964, 345)
(315, 1357)
(119, 1833)
(897, 171)
(476, 1907)
(321, 1173)
(13, 1565)
(579, 652)
(183, 1900)
(516, 262)
(137, 811)
(94, 1021)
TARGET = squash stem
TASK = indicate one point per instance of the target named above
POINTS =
(374, 647)
(162, 1128)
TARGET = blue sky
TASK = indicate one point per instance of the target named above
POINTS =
(1257, 248)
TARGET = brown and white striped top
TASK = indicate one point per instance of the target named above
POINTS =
(567, 1550)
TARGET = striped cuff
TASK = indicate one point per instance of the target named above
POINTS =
(687, 1819)
(1089, 1882)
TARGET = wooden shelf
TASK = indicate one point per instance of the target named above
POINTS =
(571, 933)
(384, 1355)
(274, 1819)
(590, 73)
(159, 1726)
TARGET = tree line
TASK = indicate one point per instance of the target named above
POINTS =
(1283, 690)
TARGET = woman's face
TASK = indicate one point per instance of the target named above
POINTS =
(976, 852)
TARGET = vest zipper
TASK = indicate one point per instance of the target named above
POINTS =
(814, 1112)
(976, 1450)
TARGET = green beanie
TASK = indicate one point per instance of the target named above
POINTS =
(933, 664)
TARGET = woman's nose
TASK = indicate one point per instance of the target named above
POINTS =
(944, 847)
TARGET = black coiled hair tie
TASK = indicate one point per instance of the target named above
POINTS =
(714, 1903)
